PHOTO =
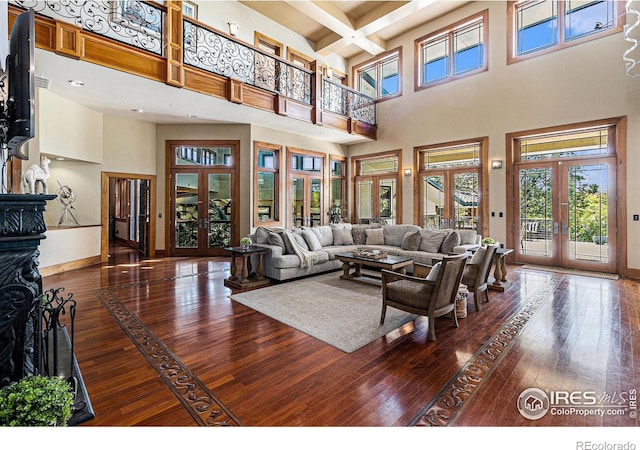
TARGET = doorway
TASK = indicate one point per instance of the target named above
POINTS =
(565, 198)
(128, 206)
(203, 186)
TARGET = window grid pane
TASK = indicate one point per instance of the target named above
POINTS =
(468, 48)
(583, 18)
(468, 155)
(367, 81)
(390, 77)
(379, 166)
(436, 59)
(537, 26)
(566, 145)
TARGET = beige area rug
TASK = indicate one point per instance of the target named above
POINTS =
(343, 314)
(586, 273)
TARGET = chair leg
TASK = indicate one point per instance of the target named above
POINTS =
(476, 299)
(455, 318)
(486, 293)
(384, 313)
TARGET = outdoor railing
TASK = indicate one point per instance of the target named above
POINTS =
(136, 23)
(214, 52)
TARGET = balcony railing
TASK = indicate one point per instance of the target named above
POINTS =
(136, 23)
(214, 52)
(142, 24)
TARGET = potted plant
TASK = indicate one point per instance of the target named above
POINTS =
(245, 242)
(488, 241)
(36, 401)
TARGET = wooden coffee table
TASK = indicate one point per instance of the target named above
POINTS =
(390, 262)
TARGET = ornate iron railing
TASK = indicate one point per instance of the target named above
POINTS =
(136, 23)
(347, 102)
(206, 49)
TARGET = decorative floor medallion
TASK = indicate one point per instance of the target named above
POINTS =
(202, 404)
(454, 396)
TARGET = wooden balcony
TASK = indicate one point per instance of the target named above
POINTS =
(157, 42)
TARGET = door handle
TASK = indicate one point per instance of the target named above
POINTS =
(555, 227)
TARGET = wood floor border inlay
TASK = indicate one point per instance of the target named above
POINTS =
(443, 409)
(203, 405)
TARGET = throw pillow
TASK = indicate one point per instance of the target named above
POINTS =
(358, 232)
(262, 235)
(478, 256)
(324, 235)
(467, 236)
(432, 240)
(276, 239)
(411, 240)
(312, 239)
(435, 271)
(300, 240)
(452, 240)
(375, 236)
(342, 236)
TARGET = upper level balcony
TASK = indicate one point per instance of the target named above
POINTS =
(157, 42)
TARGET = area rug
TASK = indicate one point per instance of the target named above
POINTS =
(586, 273)
(344, 314)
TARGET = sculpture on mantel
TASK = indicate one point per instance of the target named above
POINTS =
(66, 196)
(36, 174)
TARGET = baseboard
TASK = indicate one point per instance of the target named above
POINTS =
(632, 273)
(71, 265)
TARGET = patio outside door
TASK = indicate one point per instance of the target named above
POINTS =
(451, 199)
(567, 213)
(306, 194)
(376, 199)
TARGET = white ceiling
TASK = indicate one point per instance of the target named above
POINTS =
(343, 27)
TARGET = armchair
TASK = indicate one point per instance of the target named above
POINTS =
(476, 273)
(433, 296)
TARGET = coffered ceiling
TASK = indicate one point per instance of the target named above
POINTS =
(347, 28)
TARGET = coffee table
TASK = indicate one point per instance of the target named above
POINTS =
(389, 262)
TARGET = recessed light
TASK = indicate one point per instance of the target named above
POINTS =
(193, 116)
(76, 83)
(138, 110)
(60, 158)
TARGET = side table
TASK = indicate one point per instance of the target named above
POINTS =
(499, 281)
(246, 278)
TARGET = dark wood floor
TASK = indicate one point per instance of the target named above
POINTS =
(583, 336)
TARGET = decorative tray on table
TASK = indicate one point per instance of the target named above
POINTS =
(369, 253)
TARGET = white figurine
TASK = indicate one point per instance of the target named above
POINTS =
(36, 174)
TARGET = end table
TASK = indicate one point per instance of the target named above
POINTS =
(246, 278)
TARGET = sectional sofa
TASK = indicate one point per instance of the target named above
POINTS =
(281, 262)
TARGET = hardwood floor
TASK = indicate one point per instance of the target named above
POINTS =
(575, 334)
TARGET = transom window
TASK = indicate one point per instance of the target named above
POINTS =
(453, 52)
(205, 156)
(571, 144)
(380, 78)
(538, 27)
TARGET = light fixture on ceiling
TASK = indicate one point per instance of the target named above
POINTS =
(407, 172)
(76, 83)
(233, 28)
(496, 164)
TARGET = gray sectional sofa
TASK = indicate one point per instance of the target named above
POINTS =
(281, 262)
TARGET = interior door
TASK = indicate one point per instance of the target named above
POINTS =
(565, 216)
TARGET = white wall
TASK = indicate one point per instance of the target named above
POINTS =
(129, 146)
(581, 83)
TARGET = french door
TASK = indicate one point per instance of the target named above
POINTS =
(306, 200)
(567, 213)
(203, 194)
(450, 199)
(376, 199)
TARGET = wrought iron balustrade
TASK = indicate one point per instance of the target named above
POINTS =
(136, 23)
(206, 49)
(342, 100)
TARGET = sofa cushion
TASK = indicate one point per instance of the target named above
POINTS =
(300, 240)
(342, 236)
(262, 235)
(359, 232)
(435, 271)
(478, 256)
(375, 236)
(341, 225)
(293, 261)
(312, 240)
(411, 240)
(324, 234)
(276, 239)
(452, 240)
(432, 240)
(468, 237)
(393, 234)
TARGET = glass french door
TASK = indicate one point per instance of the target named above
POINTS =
(203, 213)
(376, 199)
(567, 212)
(306, 200)
(450, 199)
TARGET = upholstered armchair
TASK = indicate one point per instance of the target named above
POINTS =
(476, 273)
(433, 296)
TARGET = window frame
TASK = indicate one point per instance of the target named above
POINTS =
(268, 45)
(377, 62)
(512, 34)
(343, 181)
(277, 149)
(450, 31)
